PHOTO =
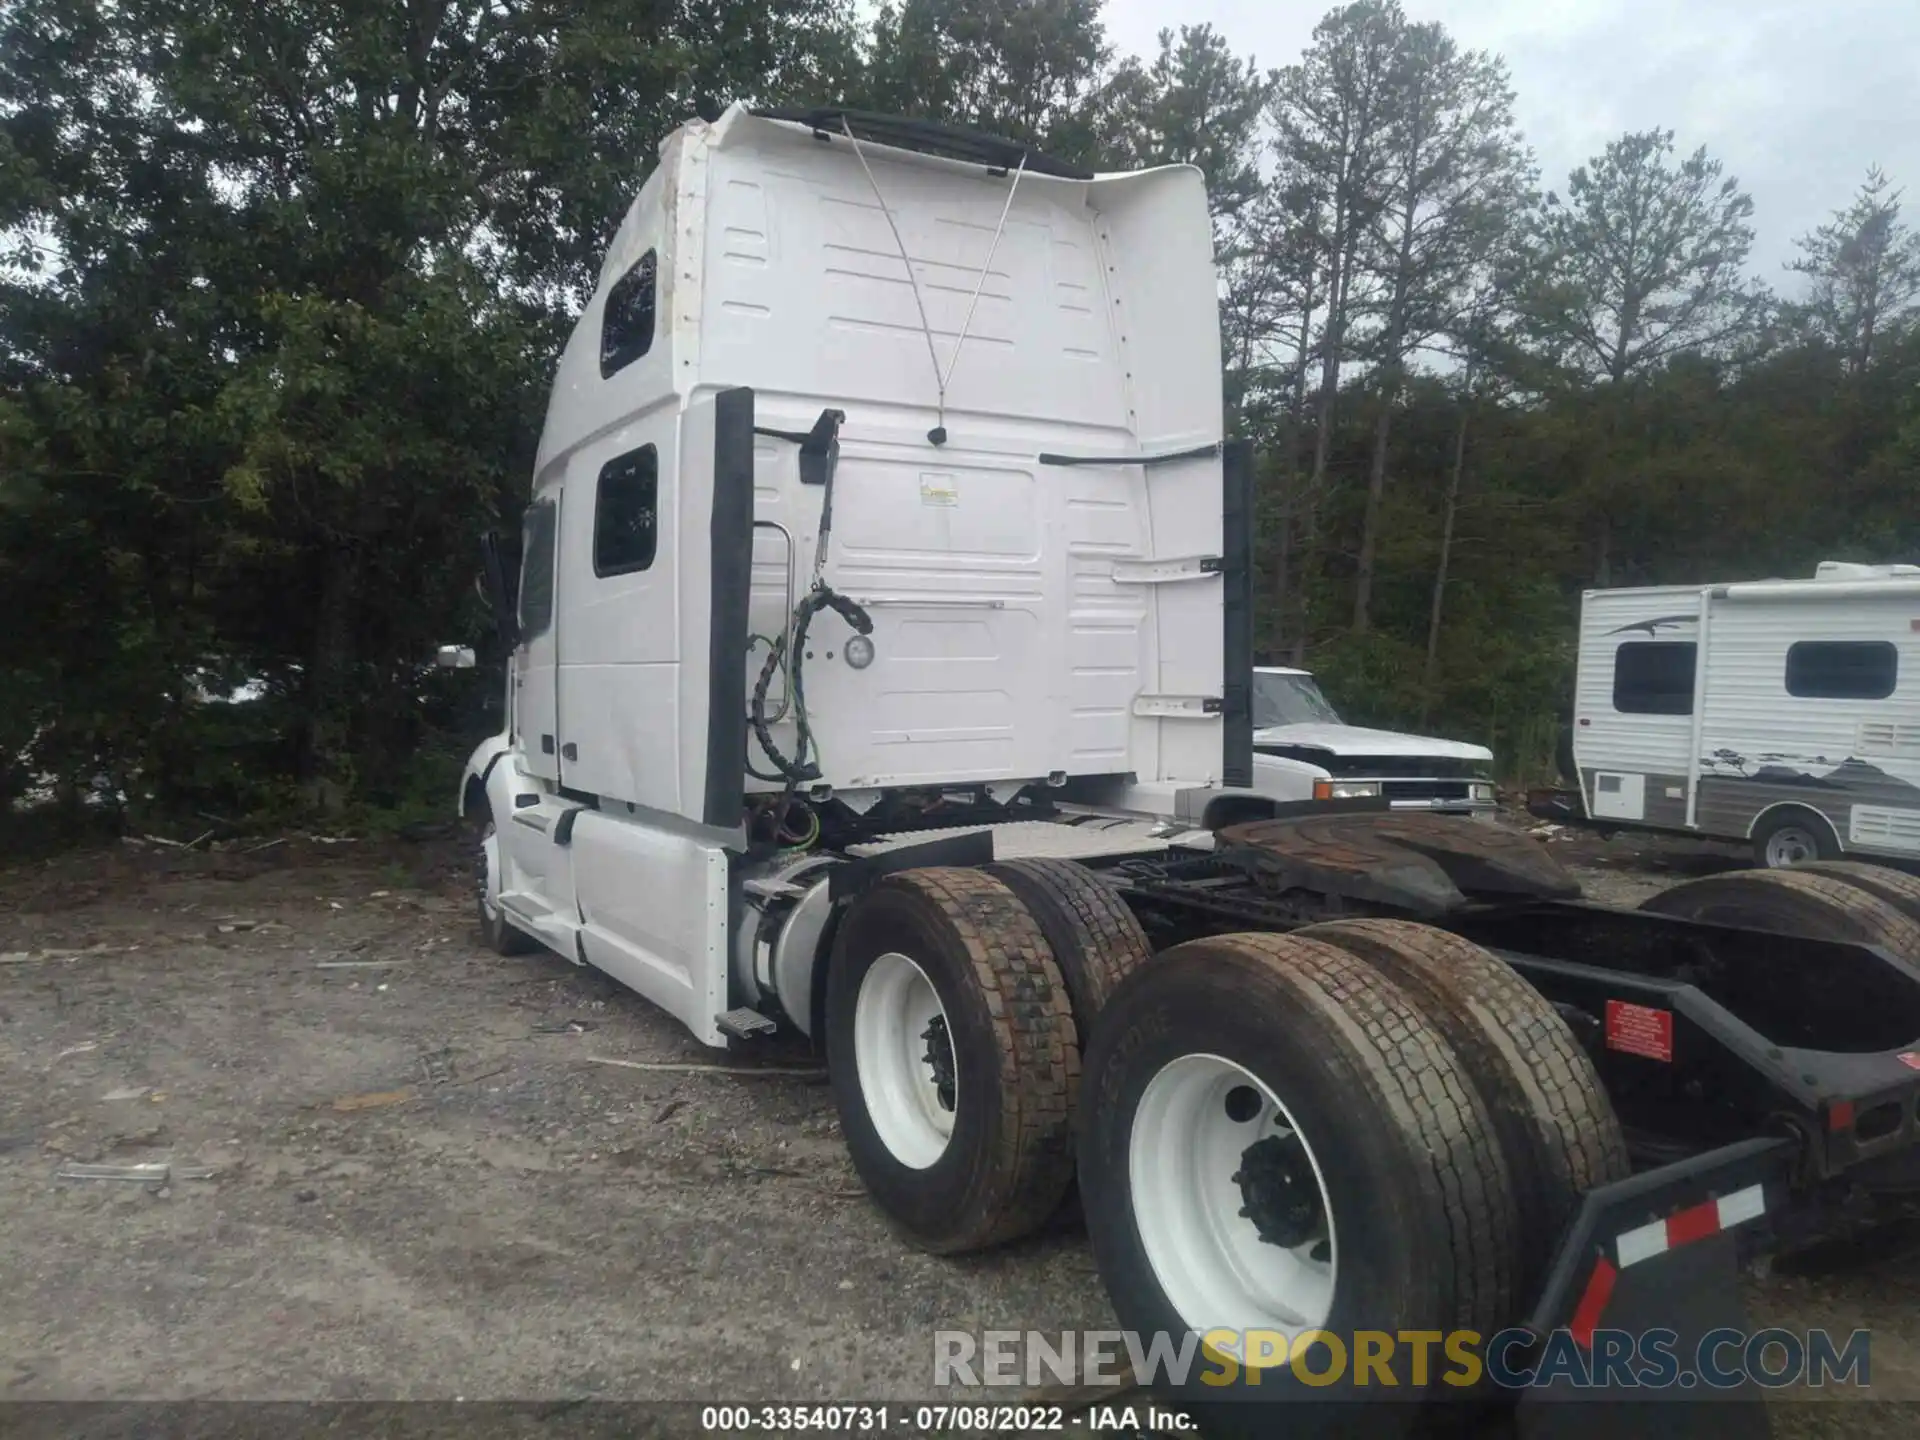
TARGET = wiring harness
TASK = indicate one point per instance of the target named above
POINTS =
(804, 765)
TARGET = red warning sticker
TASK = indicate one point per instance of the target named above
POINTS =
(1640, 1030)
(1910, 1059)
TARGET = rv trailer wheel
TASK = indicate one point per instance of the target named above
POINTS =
(953, 1058)
(1791, 837)
(1276, 1140)
(500, 937)
(1551, 1113)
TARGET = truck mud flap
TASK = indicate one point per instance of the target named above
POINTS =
(1647, 1273)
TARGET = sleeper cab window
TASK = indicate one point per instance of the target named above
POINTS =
(1653, 677)
(1842, 669)
(536, 568)
(626, 322)
(626, 513)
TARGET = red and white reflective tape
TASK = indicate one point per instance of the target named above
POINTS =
(1696, 1222)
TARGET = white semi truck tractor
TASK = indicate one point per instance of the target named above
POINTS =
(880, 670)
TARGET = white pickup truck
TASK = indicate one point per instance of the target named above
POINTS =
(1303, 750)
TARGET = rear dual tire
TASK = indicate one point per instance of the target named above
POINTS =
(1200, 1067)
(1549, 1111)
(953, 1058)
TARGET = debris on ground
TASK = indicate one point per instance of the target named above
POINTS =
(145, 1171)
(689, 1067)
(29, 957)
(373, 1101)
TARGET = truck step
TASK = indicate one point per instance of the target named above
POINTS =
(744, 1023)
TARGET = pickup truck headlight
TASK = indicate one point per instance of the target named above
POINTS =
(1481, 790)
(1345, 789)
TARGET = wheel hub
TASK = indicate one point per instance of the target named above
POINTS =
(1790, 845)
(1229, 1201)
(1282, 1197)
(939, 1058)
(904, 1056)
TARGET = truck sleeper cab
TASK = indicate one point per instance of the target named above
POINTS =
(914, 459)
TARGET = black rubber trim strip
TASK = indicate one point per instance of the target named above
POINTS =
(969, 851)
(1236, 618)
(730, 565)
(950, 142)
(1198, 452)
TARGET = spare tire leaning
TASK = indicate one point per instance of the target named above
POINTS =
(1273, 1139)
(1793, 902)
(1556, 1126)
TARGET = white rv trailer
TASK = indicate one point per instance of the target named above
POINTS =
(1784, 712)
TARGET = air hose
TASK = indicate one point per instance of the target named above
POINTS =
(804, 766)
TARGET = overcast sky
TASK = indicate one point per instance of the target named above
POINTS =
(1795, 97)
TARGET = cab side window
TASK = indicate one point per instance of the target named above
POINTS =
(536, 568)
(626, 323)
(626, 507)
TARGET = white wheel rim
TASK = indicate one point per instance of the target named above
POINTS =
(1210, 1260)
(896, 1007)
(1789, 845)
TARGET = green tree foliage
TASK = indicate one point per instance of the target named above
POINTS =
(1644, 260)
(1864, 268)
(1026, 69)
(282, 281)
(1456, 179)
(288, 277)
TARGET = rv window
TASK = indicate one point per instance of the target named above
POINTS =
(1653, 677)
(626, 325)
(625, 512)
(536, 569)
(1842, 669)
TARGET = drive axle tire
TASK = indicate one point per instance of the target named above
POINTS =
(498, 936)
(1896, 887)
(1555, 1123)
(1274, 1139)
(1094, 937)
(953, 1058)
(1792, 902)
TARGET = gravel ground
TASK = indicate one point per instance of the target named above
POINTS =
(418, 1182)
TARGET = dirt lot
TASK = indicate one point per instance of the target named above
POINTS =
(416, 1181)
